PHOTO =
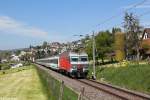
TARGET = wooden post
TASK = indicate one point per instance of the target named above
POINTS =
(80, 97)
(61, 90)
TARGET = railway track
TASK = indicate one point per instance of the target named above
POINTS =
(115, 91)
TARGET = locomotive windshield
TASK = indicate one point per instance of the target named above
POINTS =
(83, 59)
(74, 59)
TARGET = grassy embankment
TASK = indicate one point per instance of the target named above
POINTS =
(22, 84)
(134, 77)
(54, 87)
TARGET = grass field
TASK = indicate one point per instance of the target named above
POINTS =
(134, 77)
(22, 84)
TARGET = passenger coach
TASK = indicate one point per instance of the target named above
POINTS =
(52, 62)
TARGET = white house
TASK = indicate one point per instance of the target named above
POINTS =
(4, 60)
(17, 65)
(15, 58)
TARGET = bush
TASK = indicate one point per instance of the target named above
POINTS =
(4, 66)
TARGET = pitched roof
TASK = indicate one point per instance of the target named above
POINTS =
(146, 30)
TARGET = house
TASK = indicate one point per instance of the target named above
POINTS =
(4, 60)
(15, 58)
(16, 65)
(146, 34)
(145, 42)
(22, 53)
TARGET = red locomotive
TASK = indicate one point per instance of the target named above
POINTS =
(75, 64)
(71, 63)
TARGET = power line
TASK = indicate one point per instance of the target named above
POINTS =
(135, 5)
(143, 14)
(117, 15)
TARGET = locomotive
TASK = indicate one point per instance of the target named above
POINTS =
(71, 63)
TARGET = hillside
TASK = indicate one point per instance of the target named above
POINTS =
(134, 77)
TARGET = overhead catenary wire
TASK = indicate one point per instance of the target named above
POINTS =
(105, 21)
(134, 6)
(117, 15)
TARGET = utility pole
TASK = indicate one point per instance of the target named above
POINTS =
(94, 76)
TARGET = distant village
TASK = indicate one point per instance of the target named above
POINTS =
(54, 48)
(41, 51)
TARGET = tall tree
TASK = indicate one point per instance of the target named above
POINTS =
(115, 30)
(119, 46)
(88, 49)
(48, 52)
(133, 32)
(104, 42)
(44, 44)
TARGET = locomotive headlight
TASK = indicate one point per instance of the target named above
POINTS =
(74, 67)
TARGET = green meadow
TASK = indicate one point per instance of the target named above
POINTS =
(134, 77)
(22, 84)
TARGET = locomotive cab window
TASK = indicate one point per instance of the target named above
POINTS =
(83, 58)
(74, 59)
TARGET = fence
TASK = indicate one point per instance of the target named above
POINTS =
(57, 89)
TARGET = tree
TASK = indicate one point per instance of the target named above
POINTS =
(38, 54)
(30, 47)
(114, 31)
(133, 32)
(48, 52)
(17, 52)
(44, 44)
(104, 44)
(5, 54)
(119, 46)
(88, 49)
(38, 47)
(43, 54)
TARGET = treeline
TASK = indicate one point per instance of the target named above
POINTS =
(119, 43)
(105, 44)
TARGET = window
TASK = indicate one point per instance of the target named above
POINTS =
(74, 59)
(54, 61)
(83, 59)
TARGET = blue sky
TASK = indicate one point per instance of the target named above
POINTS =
(25, 22)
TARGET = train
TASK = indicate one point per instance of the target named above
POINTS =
(70, 63)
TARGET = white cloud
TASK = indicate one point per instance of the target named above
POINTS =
(11, 26)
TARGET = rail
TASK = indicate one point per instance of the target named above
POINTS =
(116, 91)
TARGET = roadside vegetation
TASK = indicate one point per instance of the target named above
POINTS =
(121, 57)
(132, 76)
(22, 84)
(6, 68)
(7, 65)
(54, 87)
